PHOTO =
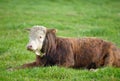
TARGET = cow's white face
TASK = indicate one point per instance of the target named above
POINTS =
(36, 38)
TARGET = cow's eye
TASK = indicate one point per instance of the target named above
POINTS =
(40, 37)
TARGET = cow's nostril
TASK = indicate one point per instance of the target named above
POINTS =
(29, 47)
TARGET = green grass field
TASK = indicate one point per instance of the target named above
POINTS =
(72, 18)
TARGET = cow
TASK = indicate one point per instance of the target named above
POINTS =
(88, 52)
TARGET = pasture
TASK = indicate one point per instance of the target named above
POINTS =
(72, 18)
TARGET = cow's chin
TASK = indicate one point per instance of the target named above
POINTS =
(30, 49)
(37, 53)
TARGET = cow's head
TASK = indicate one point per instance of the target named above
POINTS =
(36, 38)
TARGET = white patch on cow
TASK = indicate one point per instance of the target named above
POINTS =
(36, 38)
(37, 53)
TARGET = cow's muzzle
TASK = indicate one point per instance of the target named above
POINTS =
(29, 47)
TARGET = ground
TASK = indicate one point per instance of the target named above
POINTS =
(72, 18)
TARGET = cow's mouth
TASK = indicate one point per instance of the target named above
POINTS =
(30, 49)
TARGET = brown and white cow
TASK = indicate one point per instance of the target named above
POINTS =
(70, 52)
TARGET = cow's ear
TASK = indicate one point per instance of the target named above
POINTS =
(28, 29)
(54, 30)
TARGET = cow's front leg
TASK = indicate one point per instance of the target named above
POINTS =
(28, 65)
(40, 61)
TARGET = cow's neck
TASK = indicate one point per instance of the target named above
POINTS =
(49, 44)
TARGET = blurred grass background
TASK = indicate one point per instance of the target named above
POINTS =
(72, 18)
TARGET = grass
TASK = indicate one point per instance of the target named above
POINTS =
(72, 18)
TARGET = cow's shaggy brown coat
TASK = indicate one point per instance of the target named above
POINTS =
(76, 52)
